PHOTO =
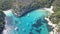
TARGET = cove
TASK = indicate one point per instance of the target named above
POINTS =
(31, 23)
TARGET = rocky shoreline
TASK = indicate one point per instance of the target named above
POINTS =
(31, 5)
(2, 22)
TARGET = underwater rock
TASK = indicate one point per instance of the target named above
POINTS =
(38, 30)
(37, 24)
(30, 33)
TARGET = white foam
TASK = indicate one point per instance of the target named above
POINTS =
(50, 23)
(50, 9)
(8, 12)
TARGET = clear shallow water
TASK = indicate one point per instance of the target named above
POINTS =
(25, 24)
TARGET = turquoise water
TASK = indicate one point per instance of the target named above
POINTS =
(25, 24)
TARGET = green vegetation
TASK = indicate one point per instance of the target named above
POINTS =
(2, 23)
(2, 16)
(5, 4)
(27, 5)
(55, 18)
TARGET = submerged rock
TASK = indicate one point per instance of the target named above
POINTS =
(30, 33)
(37, 24)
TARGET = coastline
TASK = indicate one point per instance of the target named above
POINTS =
(16, 28)
(47, 9)
(7, 12)
(50, 10)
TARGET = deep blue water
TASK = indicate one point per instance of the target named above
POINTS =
(31, 23)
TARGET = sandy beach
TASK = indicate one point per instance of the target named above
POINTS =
(7, 11)
(49, 9)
